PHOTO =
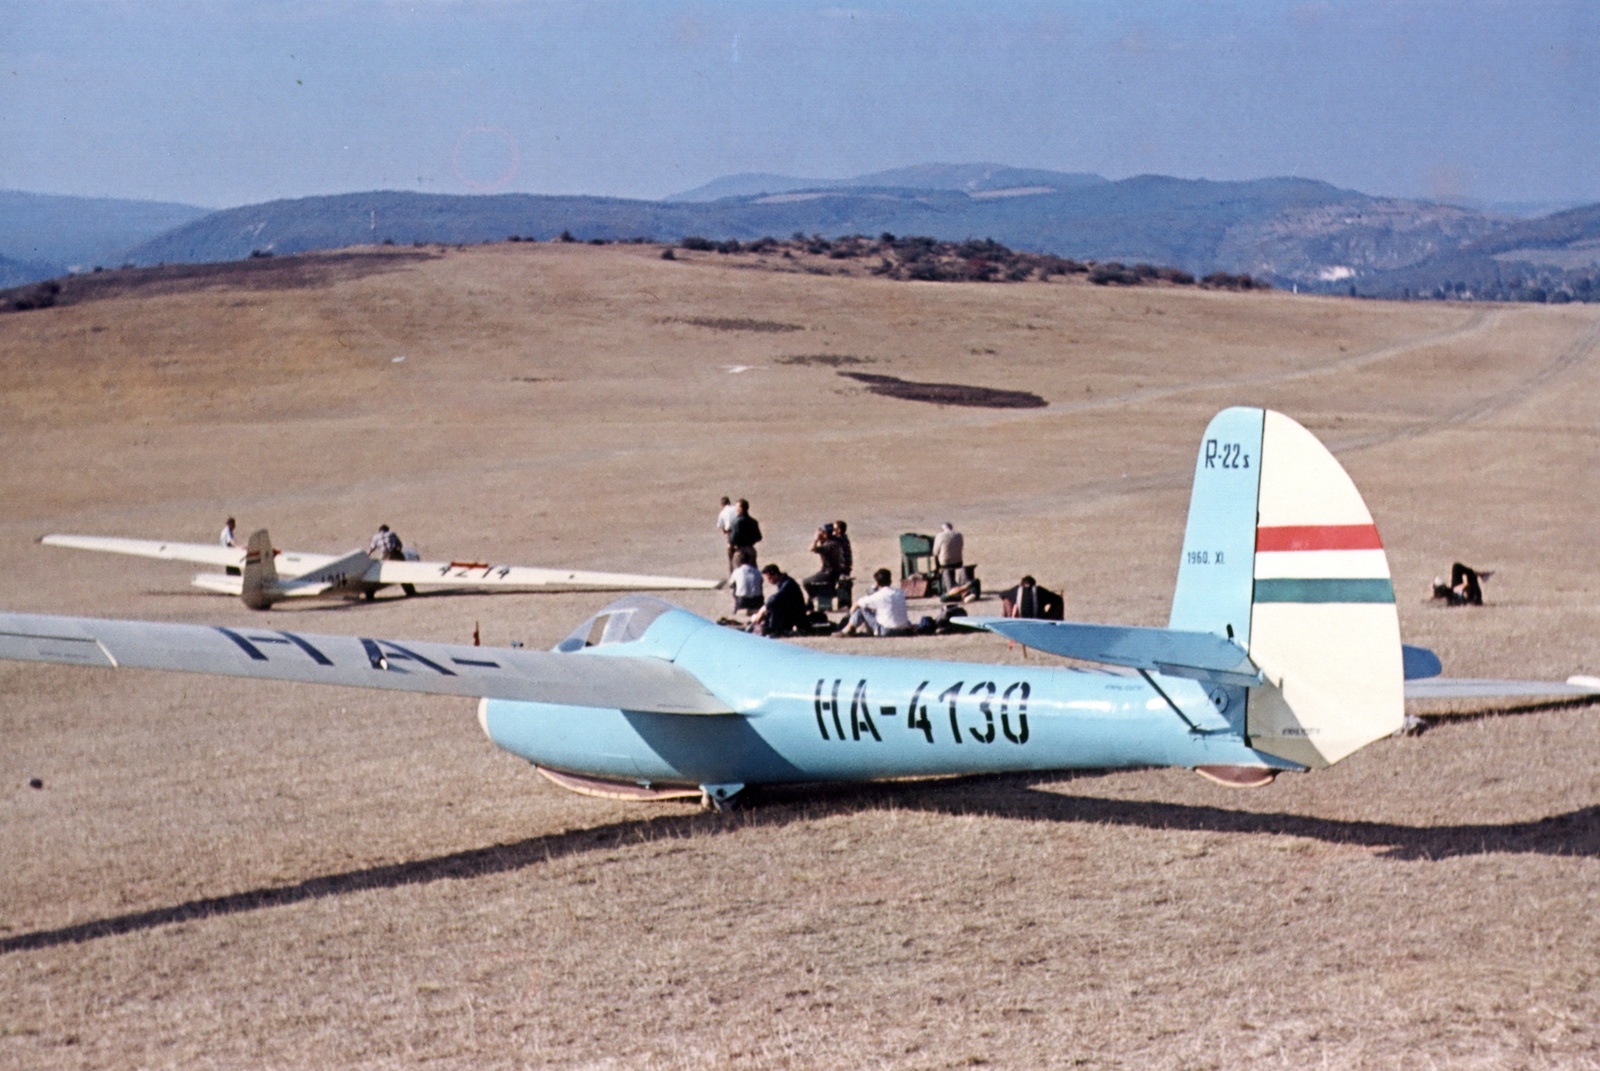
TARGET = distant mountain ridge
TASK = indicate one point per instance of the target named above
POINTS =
(1297, 233)
(56, 234)
(964, 177)
(1255, 227)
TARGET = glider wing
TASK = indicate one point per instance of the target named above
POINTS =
(483, 574)
(1482, 688)
(205, 553)
(576, 679)
(290, 563)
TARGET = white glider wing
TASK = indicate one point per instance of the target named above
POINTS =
(576, 678)
(1481, 688)
(204, 553)
(484, 575)
(290, 563)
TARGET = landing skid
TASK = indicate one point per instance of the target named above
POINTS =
(618, 790)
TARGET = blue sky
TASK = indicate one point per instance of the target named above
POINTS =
(225, 103)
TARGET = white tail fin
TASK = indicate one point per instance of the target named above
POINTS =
(259, 584)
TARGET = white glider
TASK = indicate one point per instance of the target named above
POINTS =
(262, 575)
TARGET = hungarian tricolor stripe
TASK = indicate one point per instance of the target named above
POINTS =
(1321, 563)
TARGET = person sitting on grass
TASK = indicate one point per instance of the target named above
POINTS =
(746, 584)
(785, 608)
(1028, 599)
(1464, 589)
(882, 613)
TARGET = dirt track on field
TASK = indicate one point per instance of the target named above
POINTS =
(219, 873)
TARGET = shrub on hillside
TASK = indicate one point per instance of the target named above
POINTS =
(1112, 273)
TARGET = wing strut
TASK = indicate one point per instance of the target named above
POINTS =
(1151, 681)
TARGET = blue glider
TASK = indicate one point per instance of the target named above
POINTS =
(1282, 653)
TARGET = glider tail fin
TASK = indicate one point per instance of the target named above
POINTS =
(1281, 555)
(260, 579)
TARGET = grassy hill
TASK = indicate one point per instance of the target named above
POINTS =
(1194, 225)
(1292, 233)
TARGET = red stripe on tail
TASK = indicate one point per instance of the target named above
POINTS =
(1319, 537)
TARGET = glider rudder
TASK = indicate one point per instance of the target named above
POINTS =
(1280, 553)
(260, 579)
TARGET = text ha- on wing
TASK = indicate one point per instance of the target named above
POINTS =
(569, 678)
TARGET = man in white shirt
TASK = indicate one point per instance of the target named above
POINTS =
(882, 613)
(746, 584)
(726, 516)
(227, 534)
(725, 519)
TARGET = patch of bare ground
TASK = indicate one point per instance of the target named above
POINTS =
(736, 323)
(217, 873)
(947, 393)
(827, 360)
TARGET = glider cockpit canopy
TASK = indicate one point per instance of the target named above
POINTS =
(622, 621)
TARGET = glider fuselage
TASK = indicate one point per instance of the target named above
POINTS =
(809, 715)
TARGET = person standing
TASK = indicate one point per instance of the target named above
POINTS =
(229, 539)
(743, 534)
(847, 556)
(385, 545)
(947, 555)
(726, 515)
(725, 518)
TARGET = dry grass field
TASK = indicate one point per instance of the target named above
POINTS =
(231, 874)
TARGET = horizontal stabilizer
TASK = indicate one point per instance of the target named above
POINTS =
(1419, 662)
(1481, 688)
(221, 583)
(1199, 656)
(578, 679)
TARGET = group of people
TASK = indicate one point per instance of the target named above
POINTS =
(880, 612)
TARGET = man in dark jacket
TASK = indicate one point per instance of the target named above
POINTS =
(743, 534)
(1028, 599)
(785, 608)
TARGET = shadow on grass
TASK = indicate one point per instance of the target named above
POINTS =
(1013, 797)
